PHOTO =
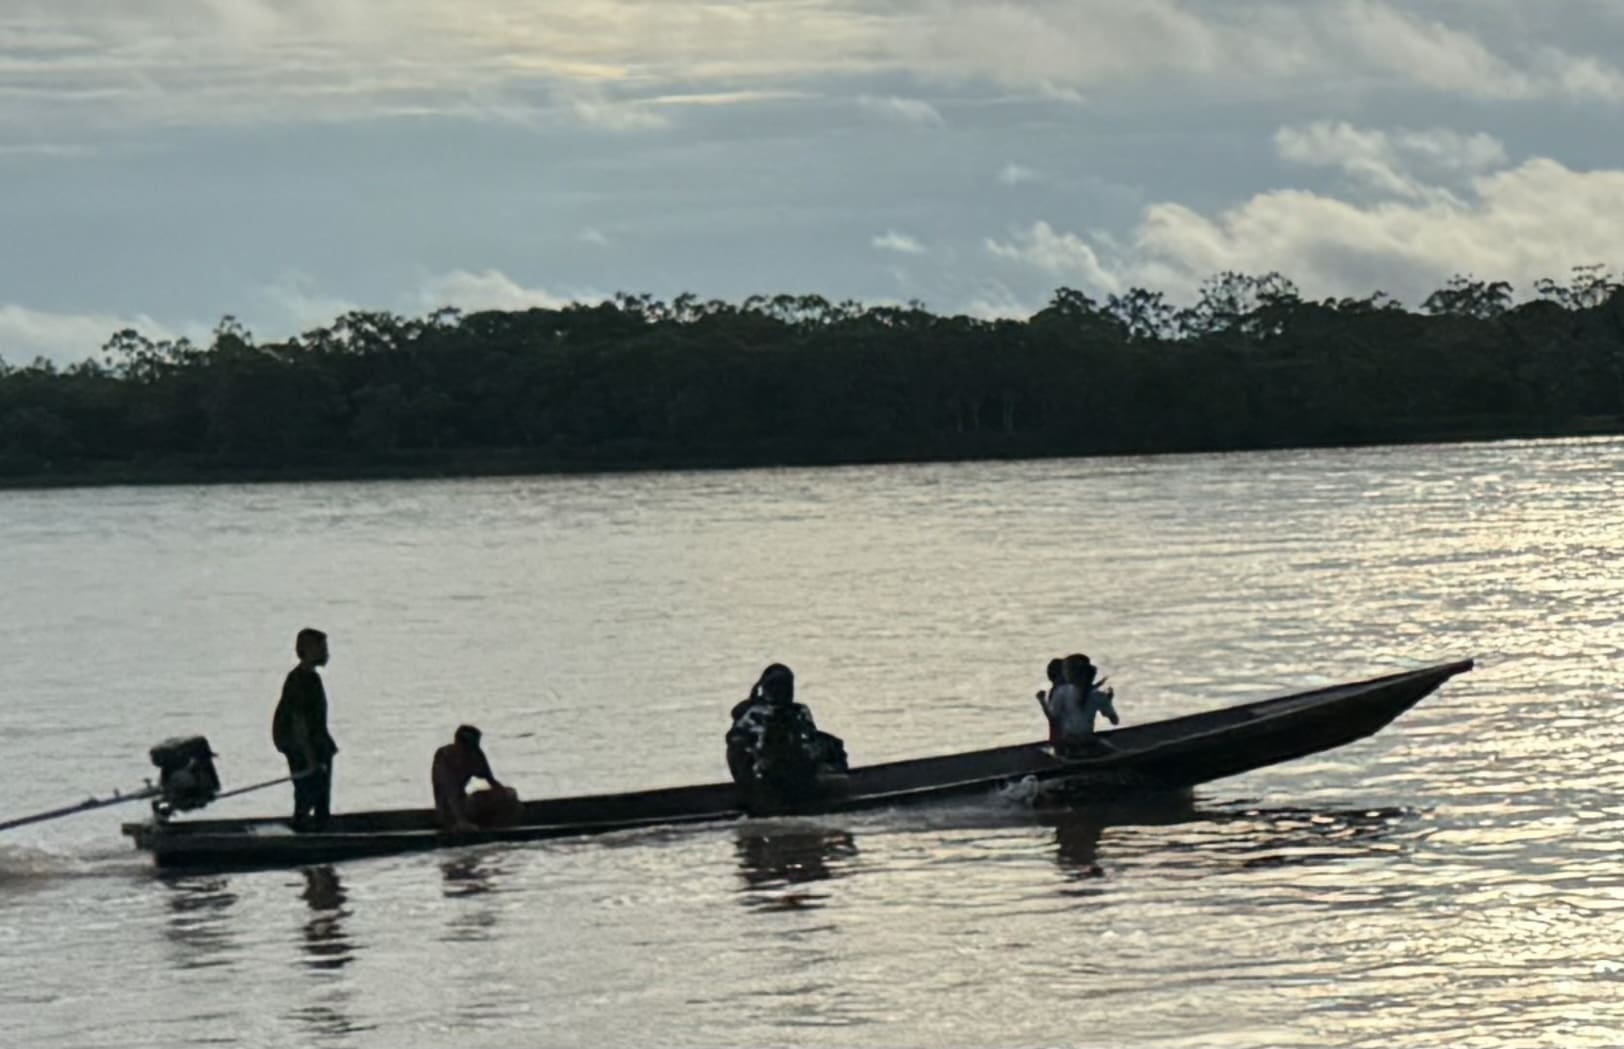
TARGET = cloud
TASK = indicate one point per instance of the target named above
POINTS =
(727, 98)
(1453, 61)
(898, 242)
(1065, 256)
(490, 290)
(596, 109)
(289, 305)
(64, 338)
(1057, 93)
(623, 64)
(24, 150)
(1385, 160)
(906, 110)
(1535, 219)
(593, 236)
(1059, 48)
(1430, 53)
(1447, 150)
(1582, 77)
(1065, 46)
(1367, 155)
(294, 298)
(997, 303)
(1013, 174)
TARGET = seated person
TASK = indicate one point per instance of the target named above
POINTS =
(1073, 705)
(744, 734)
(454, 765)
(775, 747)
(1057, 677)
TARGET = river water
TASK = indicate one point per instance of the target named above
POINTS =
(1453, 880)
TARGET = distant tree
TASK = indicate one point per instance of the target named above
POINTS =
(1375, 303)
(1144, 315)
(1588, 287)
(1072, 304)
(1465, 296)
(636, 380)
(1242, 303)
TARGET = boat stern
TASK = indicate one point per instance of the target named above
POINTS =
(143, 835)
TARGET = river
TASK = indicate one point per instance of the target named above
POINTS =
(1452, 880)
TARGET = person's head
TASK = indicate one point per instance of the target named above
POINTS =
(777, 684)
(467, 737)
(311, 647)
(1079, 671)
(1056, 671)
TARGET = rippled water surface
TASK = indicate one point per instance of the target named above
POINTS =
(1453, 880)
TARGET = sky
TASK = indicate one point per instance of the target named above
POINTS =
(167, 162)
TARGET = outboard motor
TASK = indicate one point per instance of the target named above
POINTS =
(186, 776)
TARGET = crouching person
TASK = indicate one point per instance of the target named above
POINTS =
(455, 764)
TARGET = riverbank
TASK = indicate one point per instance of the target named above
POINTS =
(428, 464)
(641, 385)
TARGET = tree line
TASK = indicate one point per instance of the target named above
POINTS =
(638, 382)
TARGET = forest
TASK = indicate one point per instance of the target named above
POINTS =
(640, 383)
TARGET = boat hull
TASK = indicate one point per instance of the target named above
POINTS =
(1140, 760)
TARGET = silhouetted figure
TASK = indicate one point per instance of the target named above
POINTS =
(1056, 674)
(775, 750)
(299, 731)
(455, 764)
(1073, 705)
(744, 731)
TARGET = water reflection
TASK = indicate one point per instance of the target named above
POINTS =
(1219, 839)
(326, 944)
(471, 874)
(775, 857)
(327, 949)
(1077, 844)
(473, 877)
(199, 913)
(1078, 831)
(1284, 837)
(328, 1022)
(1214, 839)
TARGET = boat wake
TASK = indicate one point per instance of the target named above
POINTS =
(1026, 791)
(25, 866)
(21, 864)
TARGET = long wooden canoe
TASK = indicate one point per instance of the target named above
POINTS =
(1143, 759)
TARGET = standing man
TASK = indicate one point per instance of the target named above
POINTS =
(299, 731)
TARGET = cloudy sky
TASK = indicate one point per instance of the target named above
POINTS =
(164, 162)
